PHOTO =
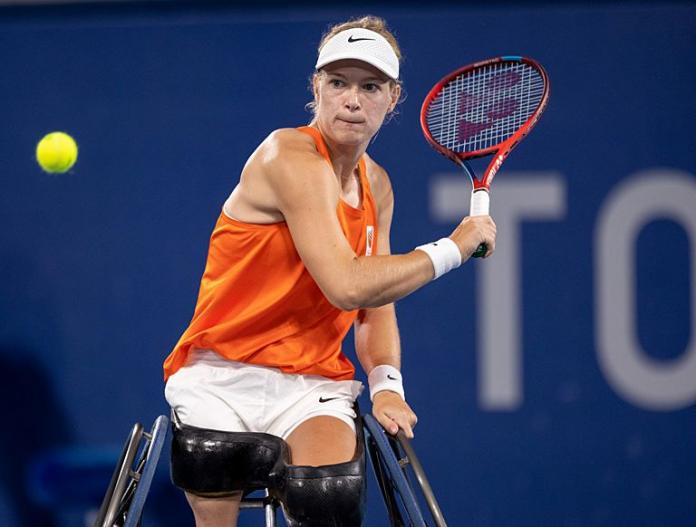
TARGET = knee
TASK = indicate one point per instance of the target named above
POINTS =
(326, 496)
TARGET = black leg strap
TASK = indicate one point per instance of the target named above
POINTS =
(326, 496)
(212, 462)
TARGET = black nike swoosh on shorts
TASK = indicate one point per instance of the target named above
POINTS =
(326, 400)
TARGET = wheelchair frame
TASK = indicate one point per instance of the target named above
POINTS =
(392, 460)
(130, 483)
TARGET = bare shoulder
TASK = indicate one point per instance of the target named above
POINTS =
(294, 171)
(287, 152)
(276, 174)
(380, 184)
(286, 142)
(284, 153)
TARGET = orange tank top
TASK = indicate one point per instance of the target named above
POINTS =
(257, 302)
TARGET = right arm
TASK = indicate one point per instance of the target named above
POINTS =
(306, 192)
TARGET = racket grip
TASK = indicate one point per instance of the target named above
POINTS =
(480, 205)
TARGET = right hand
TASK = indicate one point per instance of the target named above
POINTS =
(472, 232)
(393, 413)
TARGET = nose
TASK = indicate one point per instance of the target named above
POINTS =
(352, 102)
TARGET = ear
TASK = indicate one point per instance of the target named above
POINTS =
(315, 86)
(395, 93)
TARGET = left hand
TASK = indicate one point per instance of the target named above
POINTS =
(392, 412)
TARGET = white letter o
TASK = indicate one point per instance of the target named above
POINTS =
(646, 382)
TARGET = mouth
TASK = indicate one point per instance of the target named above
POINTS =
(351, 121)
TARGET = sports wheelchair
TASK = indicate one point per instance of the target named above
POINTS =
(262, 461)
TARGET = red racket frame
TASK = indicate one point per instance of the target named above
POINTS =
(503, 149)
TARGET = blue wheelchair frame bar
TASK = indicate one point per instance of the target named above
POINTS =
(390, 457)
(125, 498)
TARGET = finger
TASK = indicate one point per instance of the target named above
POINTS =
(403, 422)
(397, 422)
(388, 423)
(490, 246)
(408, 430)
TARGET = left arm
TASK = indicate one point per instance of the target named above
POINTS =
(376, 333)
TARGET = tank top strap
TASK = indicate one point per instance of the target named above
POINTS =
(368, 201)
(324, 151)
(318, 141)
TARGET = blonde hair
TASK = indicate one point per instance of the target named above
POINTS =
(373, 23)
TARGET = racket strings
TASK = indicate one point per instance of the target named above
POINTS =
(480, 109)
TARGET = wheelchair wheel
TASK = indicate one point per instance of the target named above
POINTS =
(395, 462)
(125, 498)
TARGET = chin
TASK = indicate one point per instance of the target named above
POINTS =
(352, 138)
(352, 135)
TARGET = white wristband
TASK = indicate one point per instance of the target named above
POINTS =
(385, 377)
(444, 254)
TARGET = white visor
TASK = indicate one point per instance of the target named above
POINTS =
(360, 44)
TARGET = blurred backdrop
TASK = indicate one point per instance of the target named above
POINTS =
(555, 383)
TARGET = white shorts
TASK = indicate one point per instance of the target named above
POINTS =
(219, 394)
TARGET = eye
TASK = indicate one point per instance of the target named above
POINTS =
(336, 83)
(371, 87)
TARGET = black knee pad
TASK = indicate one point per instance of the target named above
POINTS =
(214, 463)
(327, 496)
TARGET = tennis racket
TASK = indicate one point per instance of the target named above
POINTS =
(484, 109)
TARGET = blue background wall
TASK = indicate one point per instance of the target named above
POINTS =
(566, 398)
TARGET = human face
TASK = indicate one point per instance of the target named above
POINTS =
(352, 98)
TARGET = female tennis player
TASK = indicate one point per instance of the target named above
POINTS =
(300, 252)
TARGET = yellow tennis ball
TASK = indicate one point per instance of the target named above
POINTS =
(56, 152)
